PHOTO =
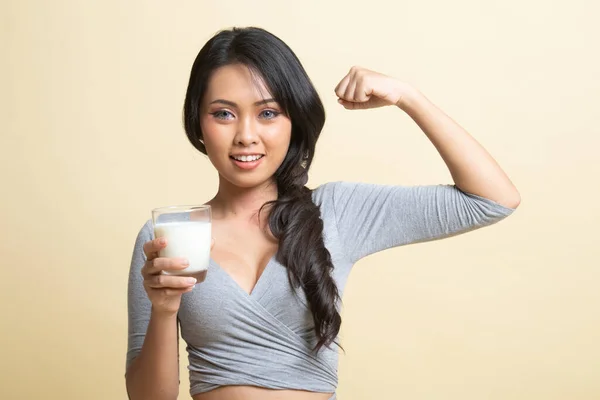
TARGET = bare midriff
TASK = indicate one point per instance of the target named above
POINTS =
(257, 393)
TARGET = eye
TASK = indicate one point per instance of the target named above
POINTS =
(222, 114)
(269, 114)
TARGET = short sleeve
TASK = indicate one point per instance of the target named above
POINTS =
(138, 304)
(371, 218)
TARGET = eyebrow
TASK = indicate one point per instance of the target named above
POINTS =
(232, 104)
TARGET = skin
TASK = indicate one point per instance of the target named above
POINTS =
(239, 116)
(247, 122)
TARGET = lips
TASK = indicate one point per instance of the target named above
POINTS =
(246, 157)
(252, 161)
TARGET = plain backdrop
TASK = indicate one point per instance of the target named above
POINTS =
(91, 139)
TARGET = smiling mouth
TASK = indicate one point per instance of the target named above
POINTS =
(251, 158)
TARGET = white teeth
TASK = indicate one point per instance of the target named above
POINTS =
(247, 158)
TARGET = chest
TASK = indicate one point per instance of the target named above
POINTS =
(243, 251)
(218, 312)
(222, 310)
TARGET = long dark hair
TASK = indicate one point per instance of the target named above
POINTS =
(293, 219)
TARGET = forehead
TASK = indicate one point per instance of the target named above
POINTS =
(236, 83)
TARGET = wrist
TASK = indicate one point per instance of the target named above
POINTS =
(161, 315)
(410, 97)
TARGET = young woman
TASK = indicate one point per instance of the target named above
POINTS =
(263, 325)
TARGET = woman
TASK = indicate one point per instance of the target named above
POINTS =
(264, 323)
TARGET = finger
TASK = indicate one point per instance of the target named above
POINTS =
(212, 243)
(350, 90)
(152, 247)
(170, 292)
(352, 105)
(159, 264)
(170, 281)
(340, 89)
(362, 93)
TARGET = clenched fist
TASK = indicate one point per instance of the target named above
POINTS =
(362, 89)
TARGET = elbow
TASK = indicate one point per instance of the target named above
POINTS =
(516, 202)
(512, 199)
(142, 388)
(153, 396)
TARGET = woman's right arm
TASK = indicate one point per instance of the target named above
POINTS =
(153, 302)
(154, 373)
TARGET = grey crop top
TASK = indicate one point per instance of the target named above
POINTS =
(265, 339)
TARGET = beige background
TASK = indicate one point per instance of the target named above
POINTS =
(91, 140)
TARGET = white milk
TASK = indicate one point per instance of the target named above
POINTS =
(190, 239)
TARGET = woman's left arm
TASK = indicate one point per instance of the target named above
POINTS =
(472, 168)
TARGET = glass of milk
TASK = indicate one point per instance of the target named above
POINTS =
(188, 233)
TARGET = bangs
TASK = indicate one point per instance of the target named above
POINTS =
(268, 83)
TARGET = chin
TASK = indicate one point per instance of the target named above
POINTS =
(247, 182)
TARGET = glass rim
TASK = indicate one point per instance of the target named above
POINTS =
(181, 208)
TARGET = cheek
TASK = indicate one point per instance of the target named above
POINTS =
(213, 134)
(280, 136)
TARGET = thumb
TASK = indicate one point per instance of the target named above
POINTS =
(212, 242)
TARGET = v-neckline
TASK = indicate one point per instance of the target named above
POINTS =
(257, 286)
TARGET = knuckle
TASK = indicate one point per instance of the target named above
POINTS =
(157, 264)
(146, 247)
(150, 267)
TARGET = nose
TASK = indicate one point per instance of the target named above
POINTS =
(246, 133)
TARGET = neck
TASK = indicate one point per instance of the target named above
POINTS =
(232, 202)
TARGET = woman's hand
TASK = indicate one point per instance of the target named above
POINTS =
(164, 291)
(362, 89)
